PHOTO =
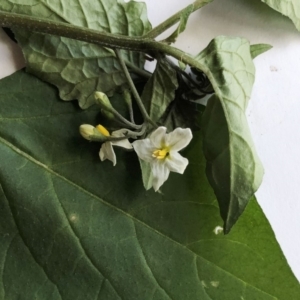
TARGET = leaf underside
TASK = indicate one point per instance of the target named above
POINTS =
(289, 8)
(182, 24)
(78, 68)
(72, 227)
(233, 167)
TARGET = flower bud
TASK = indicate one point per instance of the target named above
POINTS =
(103, 100)
(91, 133)
(86, 131)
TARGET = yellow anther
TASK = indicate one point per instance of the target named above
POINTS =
(102, 130)
(160, 154)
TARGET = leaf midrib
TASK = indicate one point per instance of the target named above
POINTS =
(33, 160)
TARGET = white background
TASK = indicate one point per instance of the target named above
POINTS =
(274, 110)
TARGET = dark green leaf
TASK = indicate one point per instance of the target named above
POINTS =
(233, 167)
(72, 227)
(289, 8)
(184, 114)
(160, 89)
(77, 68)
(258, 49)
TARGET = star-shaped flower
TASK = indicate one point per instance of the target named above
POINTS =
(161, 151)
(90, 132)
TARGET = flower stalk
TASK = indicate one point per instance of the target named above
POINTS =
(133, 89)
(103, 101)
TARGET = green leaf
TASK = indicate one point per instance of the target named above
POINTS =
(183, 113)
(258, 49)
(233, 167)
(77, 68)
(182, 24)
(72, 227)
(289, 8)
(160, 89)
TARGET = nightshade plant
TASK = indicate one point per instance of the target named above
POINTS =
(79, 228)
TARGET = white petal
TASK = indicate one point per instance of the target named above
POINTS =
(176, 163)
(160, 173)
(119, 133)
(144, 149)
(122, 143)
(178, 139)
(107, 152)
(157, 137)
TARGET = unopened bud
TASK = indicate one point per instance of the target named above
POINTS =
(92, 133)
(103, 100)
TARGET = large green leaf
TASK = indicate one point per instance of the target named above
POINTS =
(72, 227)
(79, 68)
(289, 8)
(233, 167)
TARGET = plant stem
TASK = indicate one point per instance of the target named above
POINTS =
(133, 89)
(134, 134)
(122, 119)
(70, 31)
(156, 31)
(141, 44)
(128, 100)
(133, 68)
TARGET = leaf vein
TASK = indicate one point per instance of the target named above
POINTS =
(28, 248)
(94, 266)
(147, 264)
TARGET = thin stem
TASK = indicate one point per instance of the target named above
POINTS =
(133, 67)
(156, 31)
(128, 100)
(134, 134)
(133, 89)
(123, 120)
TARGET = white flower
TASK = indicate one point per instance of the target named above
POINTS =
(161, 151)
(98, 133)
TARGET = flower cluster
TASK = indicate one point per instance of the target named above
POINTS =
(160, 149)
(106, 150)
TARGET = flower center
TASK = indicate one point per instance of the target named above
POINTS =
(102, 130)
(160, 153)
